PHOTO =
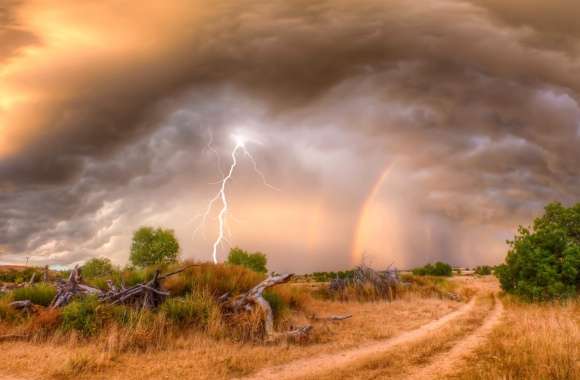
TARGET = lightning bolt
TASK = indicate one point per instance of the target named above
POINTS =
(221, 195)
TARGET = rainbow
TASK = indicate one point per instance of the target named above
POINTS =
(359, 238)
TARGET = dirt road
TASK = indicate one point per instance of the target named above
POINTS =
(327, 362)
(445, 363)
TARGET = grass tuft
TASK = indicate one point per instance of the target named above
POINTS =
(39, 294)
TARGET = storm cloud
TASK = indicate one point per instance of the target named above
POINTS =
(106, 112)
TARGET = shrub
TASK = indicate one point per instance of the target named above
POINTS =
(217, 279)
(153, 246)
(81, 316)
(97, 267)
(39, 294)
(195, 309)
(483, 270)
(543, 262)
(437, 269)
(279, 307)
(255, 261)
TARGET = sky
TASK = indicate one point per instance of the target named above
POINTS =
(393, 132)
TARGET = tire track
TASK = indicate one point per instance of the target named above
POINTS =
(445, 363)
(327, 362)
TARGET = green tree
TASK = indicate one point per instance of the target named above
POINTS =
(437, 269)
(97, 267)
(544, 260)
(153, 246)
(255, 261)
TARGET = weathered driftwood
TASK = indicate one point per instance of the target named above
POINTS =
(45, 274)
(255, 298)
(32, 278)
(385, 283)
(13, 337)
(24, 305)
(67, 290)
(330, 318)
(148, 295)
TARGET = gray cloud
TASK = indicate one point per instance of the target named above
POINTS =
(477, 102)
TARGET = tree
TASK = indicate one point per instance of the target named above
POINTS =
(543, 262)
(437, 269)
(97, 267)
(255, 261)
(153, 246)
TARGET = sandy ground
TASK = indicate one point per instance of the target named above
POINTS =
(447, 362)
(323, 363)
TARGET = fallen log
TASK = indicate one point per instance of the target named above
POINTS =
(148, 295)
(255, 298)
(24, 305)
(13, 337)
(67, 290)
(331, 318)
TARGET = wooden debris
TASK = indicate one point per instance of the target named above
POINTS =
(385, 283)
(254, 298)
(24, 306)
(45, 274)
(148, 295)
(13, 337)
(299, 334)
(330, 318)
(67, 290)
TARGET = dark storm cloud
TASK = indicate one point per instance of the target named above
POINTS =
(479, 97)
(286, 53)
(12, 36)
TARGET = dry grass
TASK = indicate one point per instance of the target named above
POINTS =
(534, 342)
(195, 354)
(397, 362)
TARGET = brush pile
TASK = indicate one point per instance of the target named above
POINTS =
(253, 298)
(367, 281)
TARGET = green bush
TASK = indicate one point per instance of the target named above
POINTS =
(543, 262)
(39, 294)
(483, 270)
(437, 269)
(255, 261)
(151, 246)
(192, 310)
(97, 267)
(19, 276)
(81, 315)
(276, 302)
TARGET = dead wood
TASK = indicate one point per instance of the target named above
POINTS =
(255, 298)
(24, 306)
(148, 295)
(67, 290)
(13, 337)
(384, 283)
(330, 318)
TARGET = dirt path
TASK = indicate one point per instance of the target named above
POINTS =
(445, 363)
(327, 362)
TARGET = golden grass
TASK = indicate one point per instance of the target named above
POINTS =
(196, 354)
(397, 362)
(536, 341)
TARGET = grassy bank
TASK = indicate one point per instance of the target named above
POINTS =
(535, 341)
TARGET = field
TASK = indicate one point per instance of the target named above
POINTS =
(423, 334)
